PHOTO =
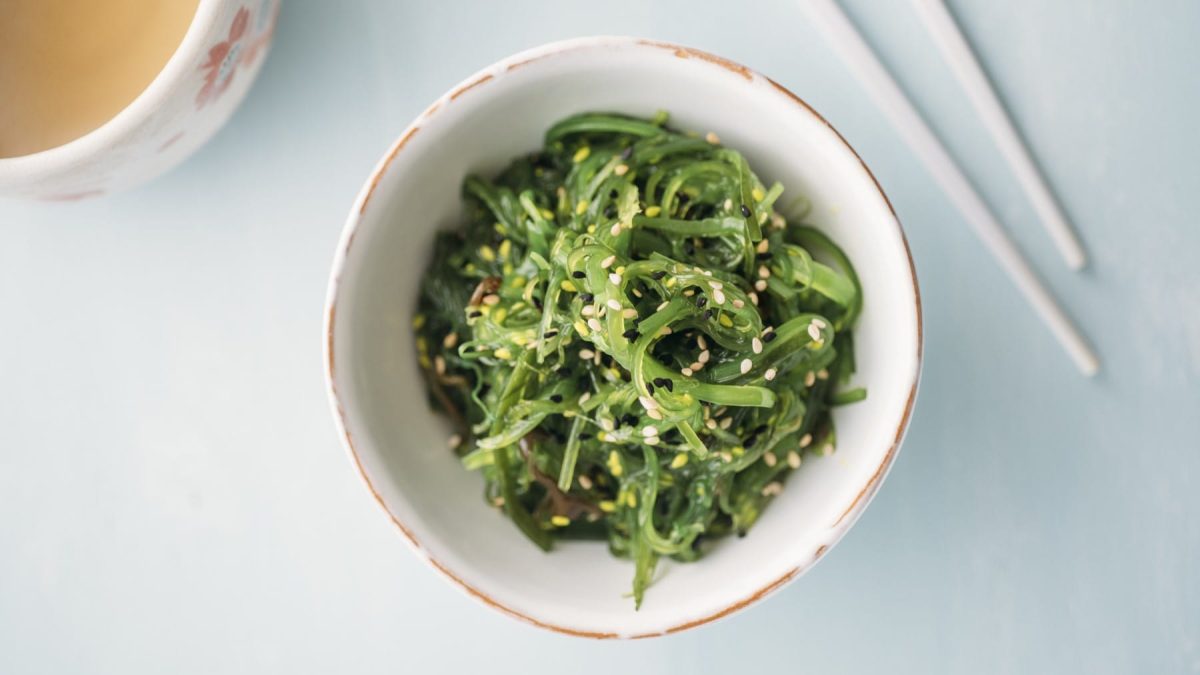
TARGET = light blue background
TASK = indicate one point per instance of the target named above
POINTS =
(173, 497)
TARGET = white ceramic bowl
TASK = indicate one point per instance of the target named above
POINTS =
(399, 445)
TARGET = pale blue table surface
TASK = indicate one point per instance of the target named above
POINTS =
(174, 499)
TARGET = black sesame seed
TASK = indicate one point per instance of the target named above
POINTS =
(550, 334)
(476, 314)
(579, 274)
(586, 297)
(658, 275)
(745, 211)
(585, 436)
(629, 419)
(670, 384)
(650, 388)
(769, 336)
(631, 334)
(557, 398)
(537, 303)
(661, 382)
(701, 301)
(766, 255)
(708, 314)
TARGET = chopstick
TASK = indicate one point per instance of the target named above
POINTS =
(883, 90)
(962, 61)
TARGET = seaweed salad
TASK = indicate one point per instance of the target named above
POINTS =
(634, 345)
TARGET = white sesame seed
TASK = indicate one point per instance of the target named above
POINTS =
(652, 440)
(806, 440)
(491, 299)
(615, 278)
(704, 356)
(738, 303)
(701, 342)
(584, 399)
(773, 488)
(712, 138)
(696, 366)
(649, 431)
(715, 285)
(665, 330)
(608, 262)
(793, 459)
(661, 306)
(820, 323)
(718, 297)
(760, 285)
(647, 402)
(637, 293)
(654, 414)
(584, 481)
(613, 303)
(629, 313)
(762, 246)
(615, 229)
(763, 272)
(746, 366)
(439, 364)
(450, 340)
(687, 372)
(586, 354)
(726, 456)
(754, 298)
(594, 324)
(726, 423)
(707, 273)
(769, 459)
(728, 204)
(588, 310)
(822, 374)
(769, 375)
(454, 441)
(814, 332)
(756, 345)
(710, 423)
(607, 424)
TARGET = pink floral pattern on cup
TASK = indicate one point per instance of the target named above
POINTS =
(237, 49)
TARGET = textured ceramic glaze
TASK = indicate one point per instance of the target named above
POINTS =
(189, 100)
(399, 444)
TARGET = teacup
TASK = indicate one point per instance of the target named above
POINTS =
(189, 99)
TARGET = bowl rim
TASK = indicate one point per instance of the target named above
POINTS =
(489, 73)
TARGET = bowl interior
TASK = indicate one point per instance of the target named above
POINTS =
(400, 444)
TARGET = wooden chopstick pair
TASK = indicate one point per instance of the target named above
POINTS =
(888, 96)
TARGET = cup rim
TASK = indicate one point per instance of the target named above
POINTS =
(140, 108)
(515, 61)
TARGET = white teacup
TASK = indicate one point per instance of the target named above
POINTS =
(184, 105)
